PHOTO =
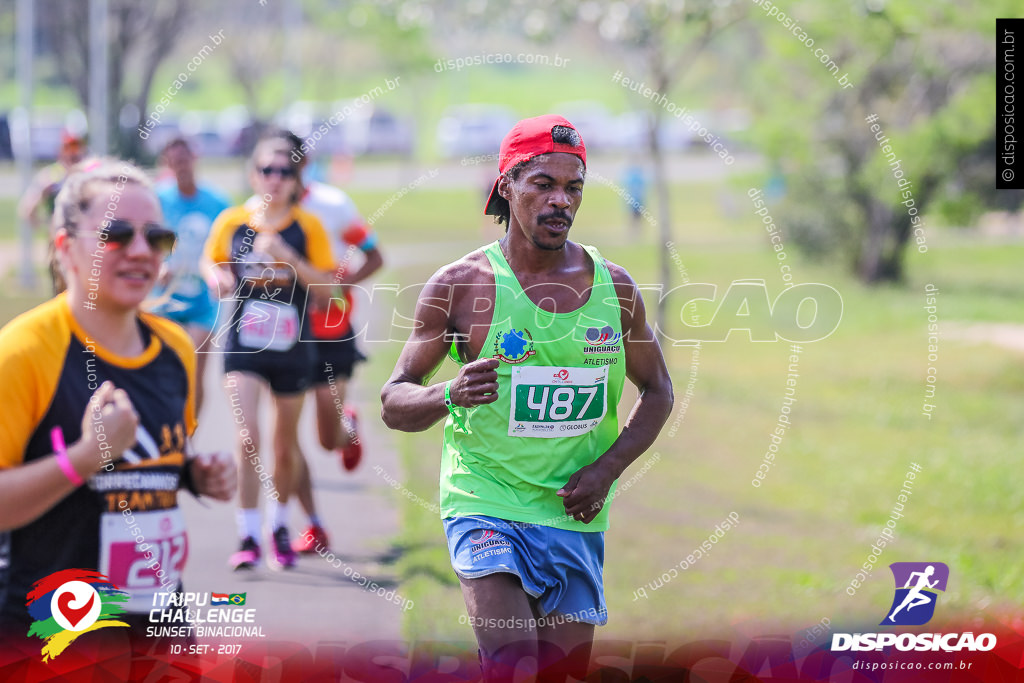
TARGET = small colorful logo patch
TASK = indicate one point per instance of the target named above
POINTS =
(486, 543)
(71, 602)
(601, 336)
(514, 346)
(483, 536)
(227, 599)
(916, 586)
(602, 340)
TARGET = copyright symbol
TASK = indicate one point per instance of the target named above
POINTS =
(1007, 174)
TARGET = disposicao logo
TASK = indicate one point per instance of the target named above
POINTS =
(71, 602)
(916, 592)
(916, 586)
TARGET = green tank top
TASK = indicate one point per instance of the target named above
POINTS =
(559, 384)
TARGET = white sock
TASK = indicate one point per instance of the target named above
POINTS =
(278, 514)
(249, 523)
(314, 520)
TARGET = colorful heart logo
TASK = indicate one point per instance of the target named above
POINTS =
(72, 614)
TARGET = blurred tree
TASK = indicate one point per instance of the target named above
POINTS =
(7, 37)
(925, 72)
(388, 34)
(660, 40)
(253, 47)
(656, 42)
(320, 44)
(141, 36)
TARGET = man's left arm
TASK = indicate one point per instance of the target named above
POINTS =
(585, 493)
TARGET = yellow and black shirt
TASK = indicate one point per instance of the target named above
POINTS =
(270, 306)
(125, 521)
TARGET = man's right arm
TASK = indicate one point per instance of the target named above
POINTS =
(408, 404)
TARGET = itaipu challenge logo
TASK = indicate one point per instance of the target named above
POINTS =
(917, 586)
(71, 602)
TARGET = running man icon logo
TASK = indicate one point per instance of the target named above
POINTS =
(916, 586)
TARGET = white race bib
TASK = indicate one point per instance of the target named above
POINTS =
(551, 402)
(143, 554)
(268, 325)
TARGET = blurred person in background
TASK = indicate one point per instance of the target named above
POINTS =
(634, 183)
(189, 208)
(37, 204)
(98, 412)
(354, 243)
(268, 254)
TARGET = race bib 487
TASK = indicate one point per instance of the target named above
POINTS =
(552, 402)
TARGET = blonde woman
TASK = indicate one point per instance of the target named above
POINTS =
(98, 407)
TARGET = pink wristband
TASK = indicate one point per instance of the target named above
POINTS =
(60, 452)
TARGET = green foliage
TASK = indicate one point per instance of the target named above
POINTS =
(925, 72)
(857, 426)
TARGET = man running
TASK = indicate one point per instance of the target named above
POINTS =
(190, 208)
(545, 331)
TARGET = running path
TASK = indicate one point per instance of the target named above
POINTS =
(1007, 335)
(316, 601)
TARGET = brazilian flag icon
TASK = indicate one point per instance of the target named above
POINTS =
(237, 598)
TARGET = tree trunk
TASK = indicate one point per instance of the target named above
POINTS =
(870, 267)
(664, 219)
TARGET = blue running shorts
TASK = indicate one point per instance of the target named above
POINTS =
(563, 570)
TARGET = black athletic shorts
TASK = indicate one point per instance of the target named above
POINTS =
(287, 372)
(335, 358)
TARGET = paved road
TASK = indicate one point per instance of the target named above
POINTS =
(315, 601)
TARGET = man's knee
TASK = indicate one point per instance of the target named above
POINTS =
(510, 660)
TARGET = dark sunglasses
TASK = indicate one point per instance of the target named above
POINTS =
(283, 171)
(118, 233)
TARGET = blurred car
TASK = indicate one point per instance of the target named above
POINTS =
(45, 132)
(234, 125)
(5, 138)
(594, 122)
(46, 137)
(373, 130)
(162, 133)
(473, 129)
(203, 130)
(301, 117)
(674, 134)
(632, 128)
(309, 120)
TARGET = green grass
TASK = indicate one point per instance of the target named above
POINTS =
(857, 426)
